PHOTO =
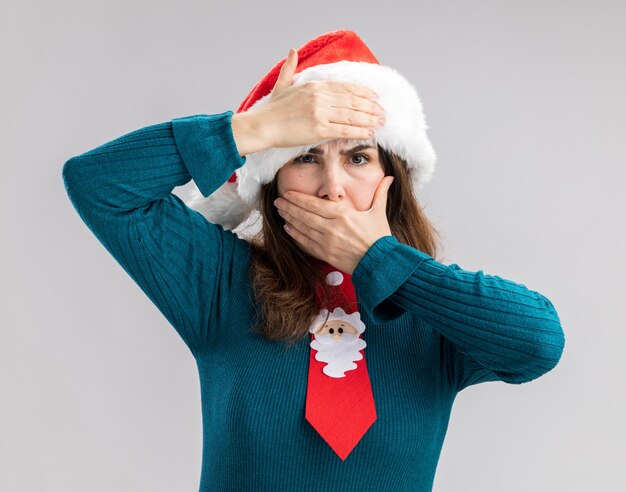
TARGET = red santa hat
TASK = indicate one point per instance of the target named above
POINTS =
(337, 55)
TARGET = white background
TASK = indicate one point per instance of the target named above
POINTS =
(525, 104)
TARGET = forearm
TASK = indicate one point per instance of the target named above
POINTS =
(514, 331)
(145, 165)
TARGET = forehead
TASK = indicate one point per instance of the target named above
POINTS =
(343, 143)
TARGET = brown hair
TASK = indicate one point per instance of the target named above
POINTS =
(282, 277)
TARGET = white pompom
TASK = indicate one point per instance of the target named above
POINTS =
(334, 278)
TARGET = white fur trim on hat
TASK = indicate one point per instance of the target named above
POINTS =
(223, 206)
(404, 132)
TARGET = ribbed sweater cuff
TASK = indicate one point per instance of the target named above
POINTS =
(207, 146)
(386, 265)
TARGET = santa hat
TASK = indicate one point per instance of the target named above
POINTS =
(337, 55)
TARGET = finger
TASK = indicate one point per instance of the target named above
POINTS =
(351, 87)
(361, 100)
(307, 243)
(299, 203)
(337, 130)
(287, 70)
(358, 103)
(348, 110)
(304, 227)
(382, 192)
(304, 220)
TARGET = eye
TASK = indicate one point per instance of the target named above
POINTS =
(299, 159)
(365, 158)
(362, 156)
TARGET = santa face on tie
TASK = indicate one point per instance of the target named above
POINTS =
(337, 341)
(338, 330)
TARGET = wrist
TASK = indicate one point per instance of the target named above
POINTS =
(249, 132)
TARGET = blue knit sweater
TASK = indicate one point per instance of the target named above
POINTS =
(432, 329)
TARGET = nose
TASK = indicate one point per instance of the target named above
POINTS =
(332, 182)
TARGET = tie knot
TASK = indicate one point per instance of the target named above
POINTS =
(340, 289)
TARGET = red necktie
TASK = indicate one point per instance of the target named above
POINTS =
(339, 398)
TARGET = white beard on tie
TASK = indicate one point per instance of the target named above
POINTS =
(337, 342)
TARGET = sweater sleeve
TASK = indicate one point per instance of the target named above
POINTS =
(122, 191)
(492, 328)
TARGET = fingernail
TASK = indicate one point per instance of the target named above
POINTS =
(381, 121)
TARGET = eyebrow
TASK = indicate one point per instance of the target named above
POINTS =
(317, 151)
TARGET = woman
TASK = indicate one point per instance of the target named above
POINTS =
(379, 336)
